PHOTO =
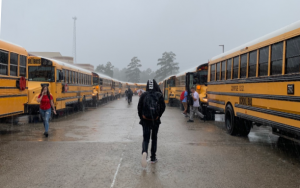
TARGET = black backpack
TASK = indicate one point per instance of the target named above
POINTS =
(130, 93)
(151, 107)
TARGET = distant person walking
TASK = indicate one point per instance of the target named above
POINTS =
(46, 101)
(194, 105)
(129, 95)
(183, 98)
(150, 109)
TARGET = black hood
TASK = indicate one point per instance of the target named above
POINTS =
(152, 86)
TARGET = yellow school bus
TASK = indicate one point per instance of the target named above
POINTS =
(259, 82)
(197, 77)
(168, 85)
(70, 86)
(13, 79)
(104, 87)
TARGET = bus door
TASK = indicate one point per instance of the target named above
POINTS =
(189, 81)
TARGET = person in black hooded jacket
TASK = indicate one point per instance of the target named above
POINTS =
(150, 125)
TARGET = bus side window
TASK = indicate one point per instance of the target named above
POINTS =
(14, 64)
(263, 61)
(252, 64)
(243, 68)
(292, 63)
(218, 70)
(23, 64)
(228, 73)
(235, 69)
(276, 58)
(212, 72)
(223, 64)
(3, 62)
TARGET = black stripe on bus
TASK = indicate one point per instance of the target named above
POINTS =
(8, 96)
(78, 91)
(217, 102)
(279, 78)
(11, 88)
(273, 124)
(12, 113)
(67, 98)
(78, 85)
(260, 96)
(10, 78)
(271, 112)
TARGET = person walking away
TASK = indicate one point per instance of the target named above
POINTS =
(46, 101)
(183, 98)
(151, 107)
(195, 105)
(129, 93)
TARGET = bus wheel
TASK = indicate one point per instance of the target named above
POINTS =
(245, 127)
(230, 123)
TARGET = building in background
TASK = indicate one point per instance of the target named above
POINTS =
(65, 59)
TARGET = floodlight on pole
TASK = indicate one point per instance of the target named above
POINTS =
(74, 39)
(222, 47)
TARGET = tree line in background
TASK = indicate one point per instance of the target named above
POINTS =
(132, 73)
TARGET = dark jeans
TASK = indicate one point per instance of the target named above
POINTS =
(148, 127)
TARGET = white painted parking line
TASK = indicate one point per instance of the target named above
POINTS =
(117, 171)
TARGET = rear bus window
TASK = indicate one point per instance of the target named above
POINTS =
(235, 67)
(223, 70)
(23, 64)
(3, 63)
(292, 63)
(252, 64)
(228, 74)
(14, 64)
(243, 68)
(263, 61)
(212, 72)
(276, 58)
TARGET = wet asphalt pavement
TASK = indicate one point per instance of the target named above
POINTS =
(102, 148)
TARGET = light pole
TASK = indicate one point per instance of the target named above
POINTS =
(222, 47)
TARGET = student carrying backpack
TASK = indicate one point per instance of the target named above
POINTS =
(150, 109)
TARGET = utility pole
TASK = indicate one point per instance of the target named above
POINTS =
(74, 40)
(222, 47)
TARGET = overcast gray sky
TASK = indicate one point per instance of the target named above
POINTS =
(117, 30)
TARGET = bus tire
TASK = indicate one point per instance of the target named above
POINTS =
(230, 121)
(245, 127)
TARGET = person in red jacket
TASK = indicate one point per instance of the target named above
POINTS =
(46, 101)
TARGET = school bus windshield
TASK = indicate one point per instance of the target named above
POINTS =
(41, 74)
(202, 77)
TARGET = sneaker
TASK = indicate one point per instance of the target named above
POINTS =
(46, 134)
(184, 114)
(154, 160)
(144, 160)
(190, 120)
